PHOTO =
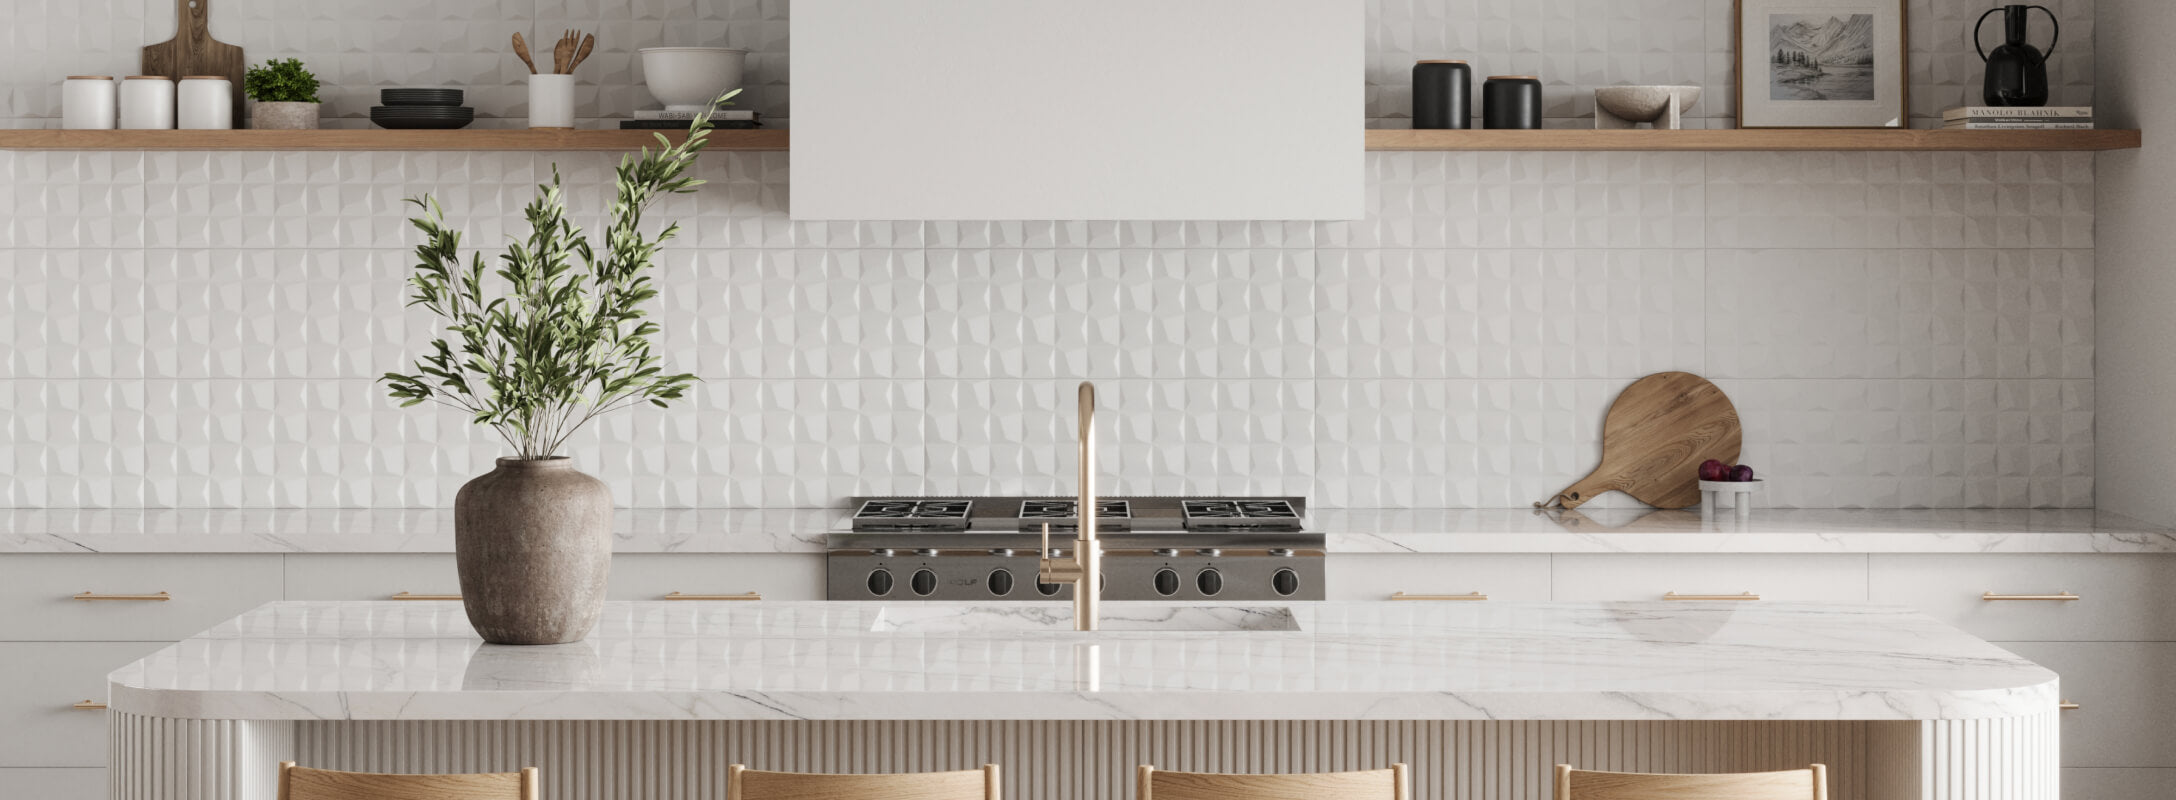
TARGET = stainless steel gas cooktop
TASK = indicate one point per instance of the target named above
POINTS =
(1155, 548)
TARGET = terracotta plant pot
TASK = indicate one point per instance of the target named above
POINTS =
(283, 116)
(533, 540)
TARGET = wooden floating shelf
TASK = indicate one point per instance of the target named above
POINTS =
(375, 139)
(1753, 140)
(776, 140)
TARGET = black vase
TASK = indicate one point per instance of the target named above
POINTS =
(2017, 73)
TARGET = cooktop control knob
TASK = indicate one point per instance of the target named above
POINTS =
(1046, 589)
(1000, 582)
(1167, 582)
(924, 582)
(880, 582)
(1285, 582)
(1210, 582)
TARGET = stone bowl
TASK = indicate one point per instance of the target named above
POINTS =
(1644, 103)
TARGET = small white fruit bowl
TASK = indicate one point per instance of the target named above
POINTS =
(690, 78)
(1739, 493)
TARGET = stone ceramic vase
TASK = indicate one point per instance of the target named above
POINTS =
(283, 116)
(533, 540)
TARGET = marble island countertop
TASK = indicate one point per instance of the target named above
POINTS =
(801, 530)
(1022, 661)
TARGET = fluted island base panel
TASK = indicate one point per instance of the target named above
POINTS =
(1996, 759)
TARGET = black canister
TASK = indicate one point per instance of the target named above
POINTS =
(1442, 95)
(1511, 102)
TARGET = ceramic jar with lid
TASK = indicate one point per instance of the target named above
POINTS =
(88, 103)
(1442, 95)
(147, 103)
(204, 103)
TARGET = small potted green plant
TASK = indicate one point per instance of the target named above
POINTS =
(285, 93)
(553, 335)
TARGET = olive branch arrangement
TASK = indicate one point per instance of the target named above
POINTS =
(561, 337)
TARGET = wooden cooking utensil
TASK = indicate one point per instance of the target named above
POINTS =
(1654, 439)
(582, 54)
(562, 53)
(521, 48)
(193, 51)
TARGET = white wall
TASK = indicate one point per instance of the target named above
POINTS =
(203, 329)
(2136, 235)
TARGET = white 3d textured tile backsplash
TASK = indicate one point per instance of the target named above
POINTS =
(204, 329)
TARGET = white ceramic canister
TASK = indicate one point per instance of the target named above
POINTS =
(88, 103)
(204, 103)
(551, 101)
(147, 103)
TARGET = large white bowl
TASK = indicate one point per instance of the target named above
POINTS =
(689, 78)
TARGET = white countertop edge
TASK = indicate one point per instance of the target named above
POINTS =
(2023, 701)
(797, 530)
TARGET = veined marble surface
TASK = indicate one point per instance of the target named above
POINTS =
(801, 530)
(826, 661)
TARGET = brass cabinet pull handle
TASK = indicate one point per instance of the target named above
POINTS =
(2062, 597)
(1741, 596)
(2067, 706)
(160, 597)
(88, 705)
(1438, 597)
(679, 596)
(408, 596)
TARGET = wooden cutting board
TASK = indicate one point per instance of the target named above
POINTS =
(193, 51)
(1657, 434)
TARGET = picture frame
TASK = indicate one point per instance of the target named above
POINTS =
(1822, 64)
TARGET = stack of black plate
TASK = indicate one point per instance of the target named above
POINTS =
(422, 108)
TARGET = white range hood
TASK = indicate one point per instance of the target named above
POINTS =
(1077, 109)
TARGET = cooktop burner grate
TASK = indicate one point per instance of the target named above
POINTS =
(915, 509)
(1069, 509)
(1240, 513)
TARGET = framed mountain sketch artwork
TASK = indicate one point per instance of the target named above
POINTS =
(1821, 64)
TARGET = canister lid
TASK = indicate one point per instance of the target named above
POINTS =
(146, 78)
(1440, 61)
(1513, 78)
(203, 77)
(90, 77)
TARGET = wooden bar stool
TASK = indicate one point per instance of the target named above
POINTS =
(742, 783)
(1378, 784)
(1795, 784)
(303, 783)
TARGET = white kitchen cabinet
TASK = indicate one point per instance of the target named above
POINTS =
(370, 577)
(82, 783)
(1375, 576)
(38, 726)
(775, 576)
(2126, 715)
(1105, 110)
(37, 595)
(1600, 578)
(2121, 598)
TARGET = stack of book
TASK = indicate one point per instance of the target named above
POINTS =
(2015, 118)
(724, 119)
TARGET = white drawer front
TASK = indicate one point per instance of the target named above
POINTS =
(38, 728)
(2119, 784)
(1375, 576)
(37, 595)
(2126, 713)
(54, 784)
(2121, 598)
(775, 576)
(1603, 578)
(370, 577)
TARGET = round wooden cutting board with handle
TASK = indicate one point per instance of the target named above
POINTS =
(1657, 434)
(193, 51)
